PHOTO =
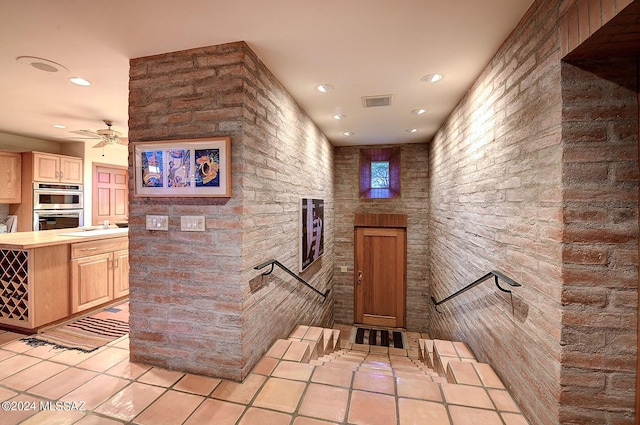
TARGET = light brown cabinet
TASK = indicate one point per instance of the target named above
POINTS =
(54, 168)
(121, 273)
(10, 177)
(99, 272)
(34, 284)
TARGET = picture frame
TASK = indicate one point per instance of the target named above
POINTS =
(311, 234)
(183, 168)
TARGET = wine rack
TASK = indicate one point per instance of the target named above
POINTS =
(14, 285)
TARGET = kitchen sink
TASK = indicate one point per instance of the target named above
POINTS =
(98, 232)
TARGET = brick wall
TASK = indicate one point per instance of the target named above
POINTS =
(196, 303)
(285, 158)
(583, 18)
(413, 202)
(496, 204)
(600, 251)
(535, 174)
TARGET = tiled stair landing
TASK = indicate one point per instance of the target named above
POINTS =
(433, 381)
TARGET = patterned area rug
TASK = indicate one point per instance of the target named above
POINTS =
(381, 337)
(87, 334)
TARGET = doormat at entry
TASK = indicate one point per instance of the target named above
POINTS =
(87, 334)
(380, 337)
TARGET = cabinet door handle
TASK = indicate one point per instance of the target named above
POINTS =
(115, 263)
(61, 175)
(90, 249)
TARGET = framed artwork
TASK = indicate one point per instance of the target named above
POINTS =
(311, 231)
(195, 168)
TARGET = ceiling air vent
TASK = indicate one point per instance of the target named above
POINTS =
(374, 101)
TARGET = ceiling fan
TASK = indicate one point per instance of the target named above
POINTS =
(107, 136)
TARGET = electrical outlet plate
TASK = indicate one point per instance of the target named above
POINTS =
(157, 222)
(192, 223)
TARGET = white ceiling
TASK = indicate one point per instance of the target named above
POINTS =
(361, 47)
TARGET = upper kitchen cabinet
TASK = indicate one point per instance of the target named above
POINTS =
(10, 178)
(53, 168)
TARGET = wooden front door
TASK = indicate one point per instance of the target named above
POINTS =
(380, 276)
(110, 194)
(637, 418)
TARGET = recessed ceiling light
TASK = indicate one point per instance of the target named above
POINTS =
(339, 116)
(432, 78)
(324, 88)
(348, 133)
(419, 111)
(411, 130)
(80, 81)
(59, 126)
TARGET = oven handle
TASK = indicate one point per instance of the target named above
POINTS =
(57, 213)
(57, 192)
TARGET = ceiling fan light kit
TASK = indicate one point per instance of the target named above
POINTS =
(107, 136)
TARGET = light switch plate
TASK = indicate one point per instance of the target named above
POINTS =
(343, 269)
(192, 223)
(157, 222)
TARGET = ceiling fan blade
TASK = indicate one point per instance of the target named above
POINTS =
(123, 141)
(87, 134)
(101, 144)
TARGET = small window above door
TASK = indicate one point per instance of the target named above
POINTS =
(380, 173)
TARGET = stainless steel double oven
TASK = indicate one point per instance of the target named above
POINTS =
(57, 206)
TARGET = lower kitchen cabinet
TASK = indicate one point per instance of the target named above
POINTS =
(121, 273)
(34, 286)
(99, 272)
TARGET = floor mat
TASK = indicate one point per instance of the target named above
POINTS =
(380, 337)
(87, 334)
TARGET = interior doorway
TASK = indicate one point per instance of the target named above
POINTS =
(110, 196)
(380, 274)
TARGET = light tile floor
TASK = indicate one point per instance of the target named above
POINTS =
(355, 387)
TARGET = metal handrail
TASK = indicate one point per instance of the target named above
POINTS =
(274, 263)
(497, 275)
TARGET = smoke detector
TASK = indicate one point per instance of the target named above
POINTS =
(375, 101)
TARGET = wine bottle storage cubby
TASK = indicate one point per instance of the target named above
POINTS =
(14, 285)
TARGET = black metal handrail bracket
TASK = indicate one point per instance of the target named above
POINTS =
(274, 263)
(497, 277)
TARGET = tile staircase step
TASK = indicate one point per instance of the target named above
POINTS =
(459, 372)
(314, 336)
(278, 348)
(314, 333)
(464, 352)
(444, 348)
(299, 332)
(446, 351)
(425, 353)
(488, 376)
(328, 345)
(336, 339)
(298, 351)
